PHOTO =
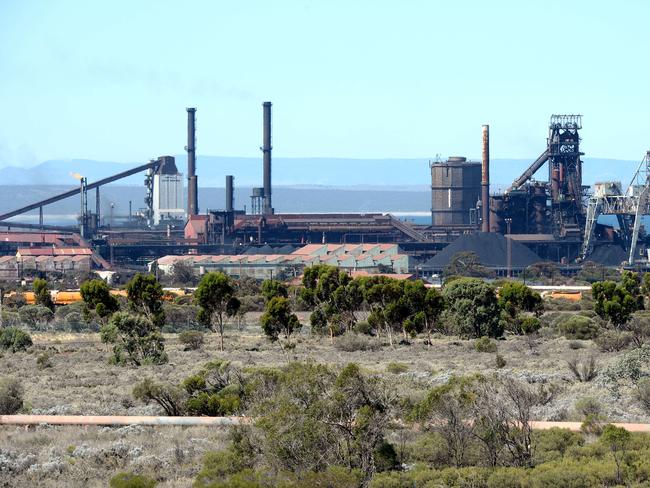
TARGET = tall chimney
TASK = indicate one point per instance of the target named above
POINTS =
(230, 196)
(485, 181)
(192, 185)
(266, 152)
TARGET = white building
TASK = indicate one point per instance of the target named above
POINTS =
(168, 196)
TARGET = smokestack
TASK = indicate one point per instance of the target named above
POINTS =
(266, 152)
(192, 185)
(485, 181)
(230, 196)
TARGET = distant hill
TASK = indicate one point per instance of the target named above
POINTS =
(329, 172)
(285, 199)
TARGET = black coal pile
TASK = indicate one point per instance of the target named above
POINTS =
(491, 248)
(608, 255)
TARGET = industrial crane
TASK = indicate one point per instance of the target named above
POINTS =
(608, 199)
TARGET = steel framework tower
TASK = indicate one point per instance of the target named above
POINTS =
(629, 208)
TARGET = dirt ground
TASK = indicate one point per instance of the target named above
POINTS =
(80, 381)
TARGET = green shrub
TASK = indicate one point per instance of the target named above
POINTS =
(11, 396)
(170, 398)
(35, 316)
(579, 327)
(575, 345)
(354, 342)
(643, 393)
(552, 444)
(14, 339)
(363, 327)
(135, 338)
(429, 448)
(613, 341)
(485, 344)
(220, 464)
(530, 325)
(473, 309)
(191, 339)
(386, 457)
(397, 368)
(130, 480)
(500, 361)
(44, 360)
(587, 406)
(507, 478)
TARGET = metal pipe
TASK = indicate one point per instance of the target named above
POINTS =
(266, 154)
(532, 169)
(226, 421)
(75, 191)
(117, 420)
(97, 204)
(192, 184)
(230, 196)
(485, 180)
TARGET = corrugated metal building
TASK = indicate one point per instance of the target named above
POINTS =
(351, 257)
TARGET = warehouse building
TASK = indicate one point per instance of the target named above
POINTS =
(372, 258)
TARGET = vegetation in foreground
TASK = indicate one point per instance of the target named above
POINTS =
(348, 426)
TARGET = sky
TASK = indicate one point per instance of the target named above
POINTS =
(110, 80)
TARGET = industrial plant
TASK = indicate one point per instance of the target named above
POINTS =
(539, 217)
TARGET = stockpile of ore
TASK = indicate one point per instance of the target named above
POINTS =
(491, 248)
(608, 255)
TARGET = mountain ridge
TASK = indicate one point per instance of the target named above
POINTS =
(321, 171)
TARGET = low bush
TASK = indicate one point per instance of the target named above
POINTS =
(397, 368)
(11, 396)
(354, 342)
(35, 317)
(561, 305)
(170, 398)
(613, 340)
(575, 345)
(579, 327)
(191, 339)
(499, 361)
(588, 406)
(584, 369)
(552, 444)
(44, 360)
(485, 344)
(363, 327)
(130, 480)
(643, 393)
(14, 339)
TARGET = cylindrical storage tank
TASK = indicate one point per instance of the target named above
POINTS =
(455, 189)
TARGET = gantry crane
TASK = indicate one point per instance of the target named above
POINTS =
(629, 207)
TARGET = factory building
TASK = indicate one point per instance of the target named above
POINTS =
(168, 201)
(371, 258)
(48, 259)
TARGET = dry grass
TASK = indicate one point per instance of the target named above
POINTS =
(48, 456)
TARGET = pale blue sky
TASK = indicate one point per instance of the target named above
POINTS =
(110, 80)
